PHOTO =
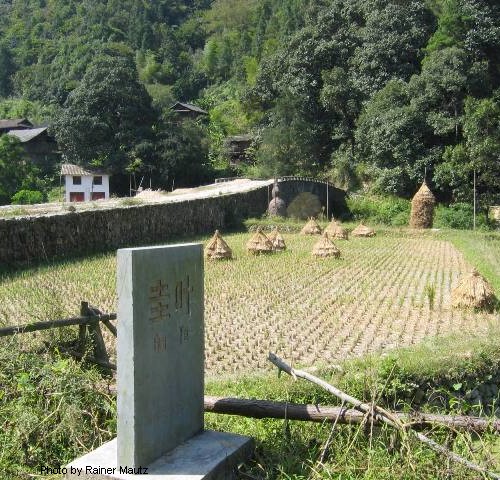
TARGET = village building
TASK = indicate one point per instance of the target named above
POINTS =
(188, 110)
(83, 185)
(39, 147)
(14, 124)
(237, 146)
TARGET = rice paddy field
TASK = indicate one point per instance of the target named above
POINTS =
(384, 292)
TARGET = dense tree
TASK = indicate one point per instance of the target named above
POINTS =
(447, 77)
(480, 152)
(6, 71)
(342, 100)
(289, 144)
(394, 140)
(182, 154)
(108, 119)
(391, 41)
(15, 172)
(364, 92)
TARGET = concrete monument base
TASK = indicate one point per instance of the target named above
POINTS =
(209, 455)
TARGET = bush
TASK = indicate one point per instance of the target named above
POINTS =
(55, 194)
(384, 210)
(304, 205)
(27, 197)
(51, 409)
(459, 216)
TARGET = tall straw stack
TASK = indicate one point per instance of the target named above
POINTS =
(473, 291)
(324, 247)
(335, 230)
(277, 240)
(259, 243)
(422, 208)
(217, 248)
(311, 228)
(363, 231)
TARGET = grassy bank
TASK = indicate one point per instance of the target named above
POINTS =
(53, 409)
(481, 249)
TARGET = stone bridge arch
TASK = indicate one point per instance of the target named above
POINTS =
(333, 199)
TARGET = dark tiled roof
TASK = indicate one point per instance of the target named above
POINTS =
(27, 134)
(187, 107)
(15, 123)
(240, 138)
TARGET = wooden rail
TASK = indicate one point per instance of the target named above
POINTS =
(316, 413)
(88, 329)
(65, 322)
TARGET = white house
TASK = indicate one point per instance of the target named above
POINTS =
(83, 185)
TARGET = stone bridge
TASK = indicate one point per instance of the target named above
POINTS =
(333, 199)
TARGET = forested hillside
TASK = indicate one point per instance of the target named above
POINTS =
(367, 93)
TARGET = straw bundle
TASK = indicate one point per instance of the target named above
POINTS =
(259, 243)
(217, 248)
(473, 291)
(363, 231)
(277, 207)
(311, 228)
(335, 230)
(277, 240)
(422, 208)
(324, 247)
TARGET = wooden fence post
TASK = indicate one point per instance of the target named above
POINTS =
(82, 329)
(99, 347)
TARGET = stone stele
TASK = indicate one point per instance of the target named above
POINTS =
(160, 375)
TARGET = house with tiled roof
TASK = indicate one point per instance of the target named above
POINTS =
(40, 148)
(7, 125)
(84, 185)
(187, 110)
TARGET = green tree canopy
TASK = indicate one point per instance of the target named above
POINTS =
(108, 119)
(15, 172)
(480, 152)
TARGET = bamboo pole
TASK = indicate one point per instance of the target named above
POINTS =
(380, 414)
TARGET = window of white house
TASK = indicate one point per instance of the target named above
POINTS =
(77, 180)
(97, 180)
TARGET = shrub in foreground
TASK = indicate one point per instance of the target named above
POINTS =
(51, 410)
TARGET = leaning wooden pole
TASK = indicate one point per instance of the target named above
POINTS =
(65, 322)
(254, 408)
(378, 413)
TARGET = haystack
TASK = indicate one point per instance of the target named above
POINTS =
(422, 208)
(473, 291)
(324, 247)
(311, 228)
(217, 248)
(335, 230)
(277, 240)
(277, 207)
(259, 243)
(363, 231)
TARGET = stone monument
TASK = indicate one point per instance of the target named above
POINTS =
(160, 378)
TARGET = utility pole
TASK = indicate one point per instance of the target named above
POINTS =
(327, 206)
(474, 227)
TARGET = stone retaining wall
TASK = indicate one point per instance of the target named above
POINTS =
(28, 239)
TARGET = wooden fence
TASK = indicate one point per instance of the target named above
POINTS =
(89, 329)
(89, 322)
